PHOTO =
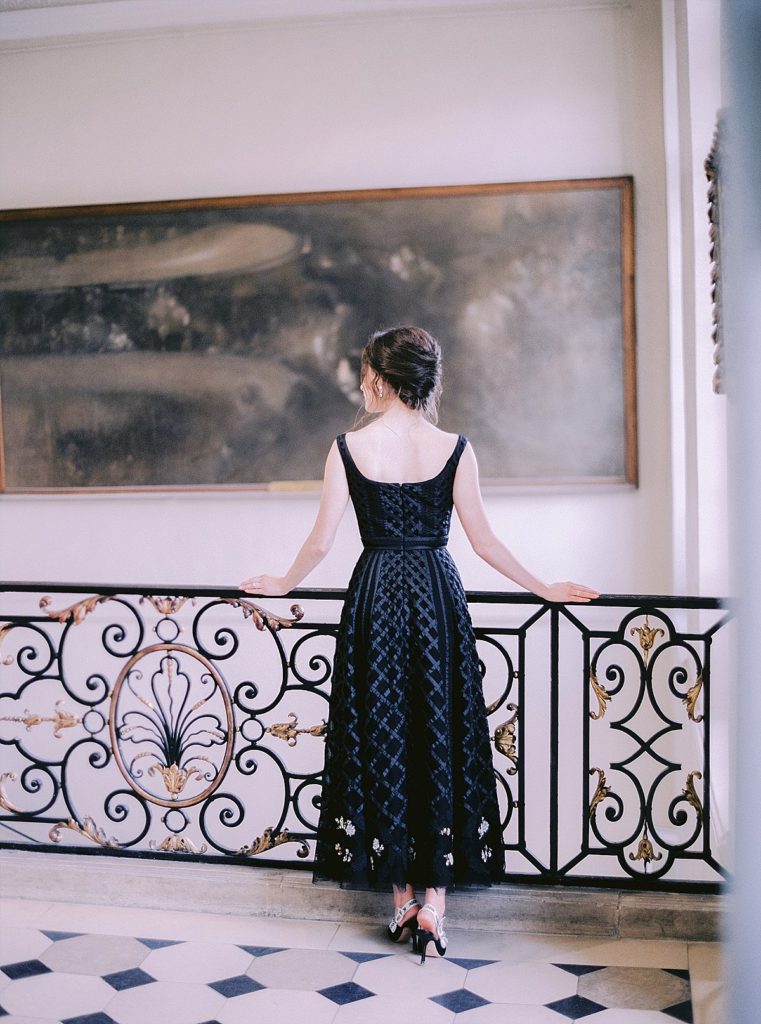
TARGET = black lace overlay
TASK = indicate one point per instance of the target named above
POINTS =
(409, 793)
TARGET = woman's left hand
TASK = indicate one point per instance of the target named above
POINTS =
(267, 586)
(569, 593)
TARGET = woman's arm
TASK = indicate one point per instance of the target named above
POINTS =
(335, 494)
(486, 544)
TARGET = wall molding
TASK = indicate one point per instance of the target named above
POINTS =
(41, 24)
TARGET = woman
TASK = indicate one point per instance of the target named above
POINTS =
(409, 796)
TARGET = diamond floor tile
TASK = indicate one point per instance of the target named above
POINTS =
(120, 980)
(237, 986)
(90, 1018)
(575, 1007)
(459, 1000)
(348, 992)
(25, 969)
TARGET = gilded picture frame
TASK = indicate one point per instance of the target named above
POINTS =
(214, 343)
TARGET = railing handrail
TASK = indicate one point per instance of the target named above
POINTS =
(338, 593)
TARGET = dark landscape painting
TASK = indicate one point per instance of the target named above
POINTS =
(216, 342)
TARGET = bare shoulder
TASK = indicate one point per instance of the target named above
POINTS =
(365, 437)
(442, 439)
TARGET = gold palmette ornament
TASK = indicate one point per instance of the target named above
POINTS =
(647, 636)
(177, 844)
(166, 605)
(175, 778)
(645, 850)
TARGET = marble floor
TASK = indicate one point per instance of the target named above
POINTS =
(91, 964)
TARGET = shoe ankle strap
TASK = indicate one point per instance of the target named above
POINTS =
(399, 913)
(436, 917)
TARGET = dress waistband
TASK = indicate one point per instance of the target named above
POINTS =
(404, 543)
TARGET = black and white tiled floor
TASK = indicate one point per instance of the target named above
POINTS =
(84, 964)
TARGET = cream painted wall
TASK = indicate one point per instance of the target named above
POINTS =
(405, 99)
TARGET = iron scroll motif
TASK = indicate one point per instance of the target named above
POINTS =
(663, 669)
(193, 725)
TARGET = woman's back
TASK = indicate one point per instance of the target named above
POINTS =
(407, 454)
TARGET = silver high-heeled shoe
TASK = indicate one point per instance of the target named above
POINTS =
(423, 936)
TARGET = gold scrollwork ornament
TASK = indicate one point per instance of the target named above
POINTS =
(4, 631)
(290, 732)
(602, 697)
(262, 618)
(76, 612)
(5, 803)
(600, 792)
(691, 699)
(269, 839)
(86, 828)
(505, 741)
(691, 793)
(61, 719)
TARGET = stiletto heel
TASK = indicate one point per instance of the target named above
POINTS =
(424, 936)
(397, 931)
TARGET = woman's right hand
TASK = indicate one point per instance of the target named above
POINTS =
(266, 586)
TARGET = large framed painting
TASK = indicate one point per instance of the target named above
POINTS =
(215, 342)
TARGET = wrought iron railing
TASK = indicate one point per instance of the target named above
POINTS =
(190, 722)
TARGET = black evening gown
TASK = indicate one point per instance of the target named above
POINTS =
(409, 792)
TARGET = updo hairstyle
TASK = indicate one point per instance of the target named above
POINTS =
(408, 359)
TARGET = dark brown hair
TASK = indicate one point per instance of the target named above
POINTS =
(409, 360)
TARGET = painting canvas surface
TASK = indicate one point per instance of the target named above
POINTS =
(217, 343)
